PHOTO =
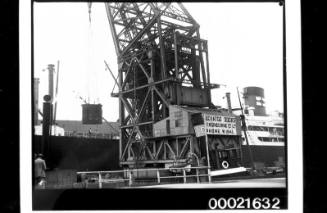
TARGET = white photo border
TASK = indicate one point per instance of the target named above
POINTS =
(294, 102)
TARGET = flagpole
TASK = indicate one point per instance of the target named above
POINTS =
(207, 147)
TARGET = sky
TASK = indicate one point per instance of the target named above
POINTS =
(244, 39)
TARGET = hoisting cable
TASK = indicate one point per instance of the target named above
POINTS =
(89, 4)
(92, 70)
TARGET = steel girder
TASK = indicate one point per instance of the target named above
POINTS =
(158, 47)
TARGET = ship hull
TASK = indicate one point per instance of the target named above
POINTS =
(268, 156)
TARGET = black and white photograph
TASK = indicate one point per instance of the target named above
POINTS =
(169, 105)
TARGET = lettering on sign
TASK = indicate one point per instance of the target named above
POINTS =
(219, 125)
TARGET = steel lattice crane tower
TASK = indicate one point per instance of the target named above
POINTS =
(163, 69)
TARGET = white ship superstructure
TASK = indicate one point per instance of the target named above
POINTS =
(264, 131)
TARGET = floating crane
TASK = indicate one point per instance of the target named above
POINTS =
(165, 90)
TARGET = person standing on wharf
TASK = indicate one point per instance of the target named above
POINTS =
(39, 170)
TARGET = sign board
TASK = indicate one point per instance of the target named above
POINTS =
(199, 130)
(219, 125)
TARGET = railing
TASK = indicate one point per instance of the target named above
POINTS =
(185, 176)
(101, 177)
(131, 177)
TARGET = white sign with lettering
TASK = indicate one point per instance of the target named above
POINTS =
(219, 125)
(199, 130)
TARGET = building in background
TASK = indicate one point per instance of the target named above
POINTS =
(106, 130)
(55, 130)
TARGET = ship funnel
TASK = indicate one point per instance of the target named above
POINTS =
(254, 98)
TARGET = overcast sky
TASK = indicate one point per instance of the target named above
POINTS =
(245, 49)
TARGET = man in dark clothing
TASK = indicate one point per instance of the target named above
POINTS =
(39, 170)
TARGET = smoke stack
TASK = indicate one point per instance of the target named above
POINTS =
(255, 97)
(51, 71)
(229, 105)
